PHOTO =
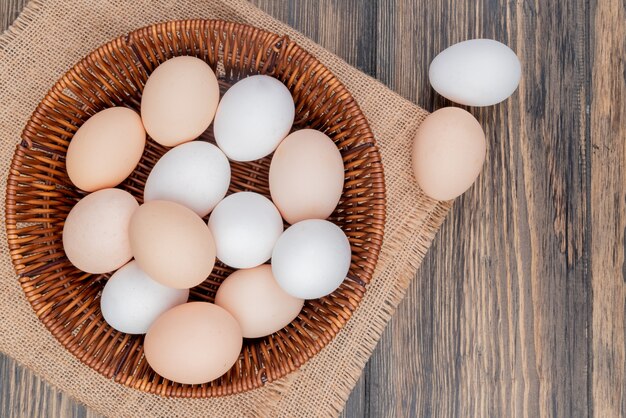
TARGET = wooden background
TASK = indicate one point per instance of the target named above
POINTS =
(519, 306)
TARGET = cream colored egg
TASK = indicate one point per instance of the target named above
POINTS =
(172, 244)
(179, 100)
(448, 153)
(306, 176)
(193, 343)
(105, 149)
(257, 302)
(95, 233)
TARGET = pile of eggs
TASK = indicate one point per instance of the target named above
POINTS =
(162, 248)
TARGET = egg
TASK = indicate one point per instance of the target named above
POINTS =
(448, 153)
(257, 302)
(171, 244)
(254, 115)
(195, 174)
(306, 176)
(95, 233)
(477, 72)
(245, 227)
(179, 100)
(193, 343)
(105, 149)
(311, 259)
(131, 301)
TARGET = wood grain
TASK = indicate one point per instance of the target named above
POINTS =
(608, 206)
(497, 317)
(519, 306)
(9, 10)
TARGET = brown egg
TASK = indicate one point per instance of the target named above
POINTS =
(306, 176)
(95, 233)
(193, 343)
(257, 302)
(448, 153)
(179, 100)
(105, 149)
(172, 244)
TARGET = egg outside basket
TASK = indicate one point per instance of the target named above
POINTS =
(40, 195)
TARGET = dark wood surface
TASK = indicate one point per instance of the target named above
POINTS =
(519, 306)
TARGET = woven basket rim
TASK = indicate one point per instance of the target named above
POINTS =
(26, 146)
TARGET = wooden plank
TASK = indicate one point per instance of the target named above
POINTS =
(22, 394)
(9, 10)
(608, 207)
(495, 323)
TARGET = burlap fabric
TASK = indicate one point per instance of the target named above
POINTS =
(46, 40)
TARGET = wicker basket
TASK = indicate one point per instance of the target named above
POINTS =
(40, 195)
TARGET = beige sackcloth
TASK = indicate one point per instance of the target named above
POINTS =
(44, 42)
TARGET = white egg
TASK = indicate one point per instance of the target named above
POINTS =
(311, 259)
(195, 175)
(478, 72)
(131, 301)
(252, 118)
(245, 227)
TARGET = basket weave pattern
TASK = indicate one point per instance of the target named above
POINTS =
(40, 195)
